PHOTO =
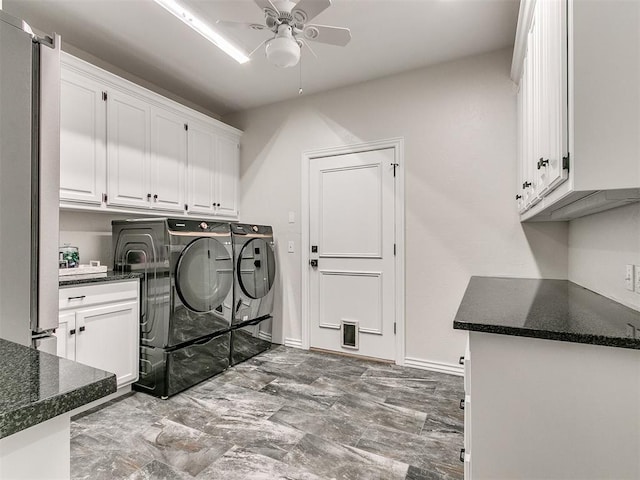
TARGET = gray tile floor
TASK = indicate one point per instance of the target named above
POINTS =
(286, 414)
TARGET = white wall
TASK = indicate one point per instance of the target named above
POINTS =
(91, 233)
(459, 125)
(599, 248)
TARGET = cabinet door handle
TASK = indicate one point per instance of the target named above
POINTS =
(155, 197)
(518, 197)
(79, 297)
(72, 331)
(148, 197)
(83, 328)
(526, 184)
(218, 205)
(461, 360)
(462, 454)
(461, 400)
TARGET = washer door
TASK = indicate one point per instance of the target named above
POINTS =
(204, 275)
(257, 267)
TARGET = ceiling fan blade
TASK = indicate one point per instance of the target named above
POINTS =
(306, 44)
(326, 34)
(268, 6)
(258, 47)
(241, 25)
(305, 10)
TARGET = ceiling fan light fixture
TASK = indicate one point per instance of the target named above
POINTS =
(283, 51)
(203, 29)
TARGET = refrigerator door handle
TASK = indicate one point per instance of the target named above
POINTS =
(48, 185)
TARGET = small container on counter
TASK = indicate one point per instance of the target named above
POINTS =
(69, 256)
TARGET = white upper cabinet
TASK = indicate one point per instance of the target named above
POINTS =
(201, 147)
(126, 149)
(578, 104)
(168, 160)
(83, 153)
(228, 160)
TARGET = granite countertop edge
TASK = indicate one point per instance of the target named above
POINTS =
(89, 278)
(572, 337)
(32, 414)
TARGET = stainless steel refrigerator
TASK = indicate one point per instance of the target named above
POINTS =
(29, 183)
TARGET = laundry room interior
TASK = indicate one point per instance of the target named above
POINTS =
(284, 229)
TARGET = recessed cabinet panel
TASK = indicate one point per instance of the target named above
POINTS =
(83, 153)
(226, 191)
(201, 145)
(168, 160)
(65, 335)
(128, 150)
(106, 339)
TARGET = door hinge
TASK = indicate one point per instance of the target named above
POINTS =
(394, 249)
(395, 165)
(104, 198)
(186, 127)
(104, 96)
(566, 161)
(394, 328)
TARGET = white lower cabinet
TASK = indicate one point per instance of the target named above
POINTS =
(99, 330)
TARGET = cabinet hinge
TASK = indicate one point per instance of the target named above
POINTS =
(186, 127)
(104, 96)
(394, 249)
(104, 198)
(394, 328)
(566, 161)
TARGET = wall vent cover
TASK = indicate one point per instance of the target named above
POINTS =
(350, 334)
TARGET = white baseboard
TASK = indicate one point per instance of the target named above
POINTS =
(450, 368)
(293, 342)
(264, 336)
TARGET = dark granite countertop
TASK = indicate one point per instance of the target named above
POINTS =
(74, 280)
(36, 386)
(549, 309)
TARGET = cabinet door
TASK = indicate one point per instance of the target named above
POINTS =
(107, 338)
(66, 335)
(168, 160)
(201, 159)
(83, 153)
(226, 181)
(555, 71)
(128, 153)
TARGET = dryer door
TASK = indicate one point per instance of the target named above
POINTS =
(257, 268)
(204, 275)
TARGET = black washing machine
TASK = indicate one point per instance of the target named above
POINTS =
(254, 279)
(187, 298)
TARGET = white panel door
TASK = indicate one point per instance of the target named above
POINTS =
(168, 160)
(128, 121)
(83, 131)
(351, 201)
(226, 184)
(201, 147)
(107, 339)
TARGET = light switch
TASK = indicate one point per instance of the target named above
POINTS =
(290, 246)
(629, 277)
(292, 217)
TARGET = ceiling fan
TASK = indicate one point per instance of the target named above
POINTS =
(287, 20)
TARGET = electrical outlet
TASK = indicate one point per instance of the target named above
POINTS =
(637, 280)
(629, 277)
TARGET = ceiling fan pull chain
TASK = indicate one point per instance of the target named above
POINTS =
(300, 89)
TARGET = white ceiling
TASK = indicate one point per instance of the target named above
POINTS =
(388, 36)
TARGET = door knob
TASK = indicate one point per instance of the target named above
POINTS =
(313, 262)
